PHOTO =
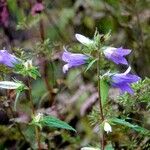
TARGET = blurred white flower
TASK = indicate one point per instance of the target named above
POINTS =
(28, 64)
(107, 127)
(84, 40)
(10, 85)
(38, 117)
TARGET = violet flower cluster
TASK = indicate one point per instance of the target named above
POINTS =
(122, 81)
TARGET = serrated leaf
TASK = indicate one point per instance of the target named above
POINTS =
(9, 85)
(104, 87)
(132, 126)
(90, 64)
(53, 122)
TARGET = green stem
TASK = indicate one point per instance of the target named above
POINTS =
(100, 102)
(45, 67)
(37, 132)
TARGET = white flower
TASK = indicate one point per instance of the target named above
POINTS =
(28, 64)
(38, 117)
(107, 127)
(84, 40)
(10, 85)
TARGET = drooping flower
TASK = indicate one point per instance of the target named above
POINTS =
(117, 54)
(73, 60)
(107, 127)
(8, 59)
(37, 8)
(123, 81)
(84, 40)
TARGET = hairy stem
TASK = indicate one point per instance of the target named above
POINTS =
(44, 68)
(100, 102)
(37, 133)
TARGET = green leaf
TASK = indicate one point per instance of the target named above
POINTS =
(16, 100)
(132, 126)
(109, 147)
(53, 122)
(90, 64)
(104, 87)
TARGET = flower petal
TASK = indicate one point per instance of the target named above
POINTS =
(123, 52)
(8, 59)
(65, 68)
(118, 59)
(84, 40)
(126, 88)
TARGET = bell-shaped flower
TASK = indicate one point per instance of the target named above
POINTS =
(8, 59)
(73, 60)
(123, 81)
(84, 40)
(116, 54)
(107, 127)
(4, 15)
(37, 8)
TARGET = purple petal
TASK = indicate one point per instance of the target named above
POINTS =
(116, 55)
(66, 56)
(118, 59)
(8, 59)
(123, 52)
(129, 78)
(124, 88)
(74, 59)
(37, 8)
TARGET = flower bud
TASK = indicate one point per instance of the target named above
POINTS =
(107, 127)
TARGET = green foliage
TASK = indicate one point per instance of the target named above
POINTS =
(141, 95)
(104, 88)
(90, 64)
(45, 48)
(28, 22)
(26, 69)
(130, 125)
(66, 15)
(51, 122)
(129, 22)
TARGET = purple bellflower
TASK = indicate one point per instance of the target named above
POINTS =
(73, 60)
(4, 15)
(37, 8)
(117, 54)
(123, 81)
(8, 59)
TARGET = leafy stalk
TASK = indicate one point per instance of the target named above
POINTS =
(100, 102)
(33, 113)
